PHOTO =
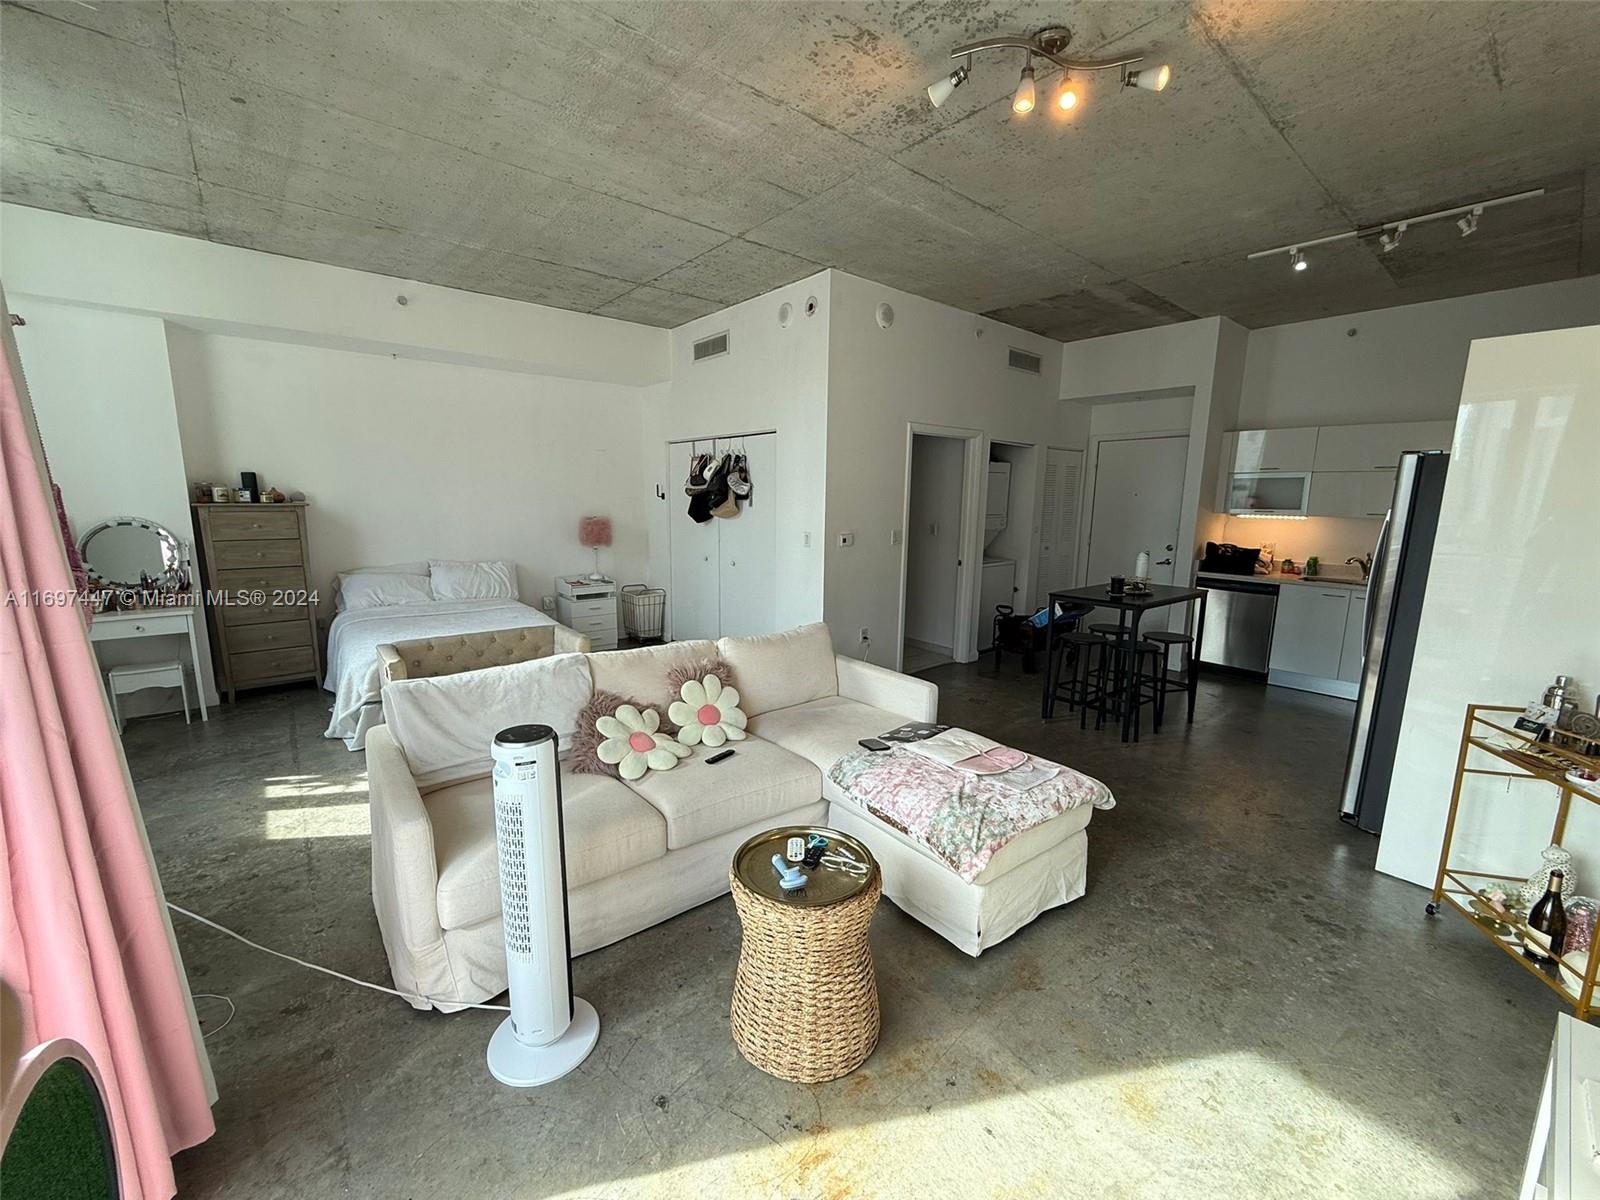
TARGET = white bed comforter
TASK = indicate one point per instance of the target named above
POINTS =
(354, 639)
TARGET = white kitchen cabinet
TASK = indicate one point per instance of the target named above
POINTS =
(1377, 447)
(1274, 449)
(1350, 493)
(1280, 493)
(1308, 633)
(1355, 639)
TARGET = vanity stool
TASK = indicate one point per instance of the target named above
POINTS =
(135, 677)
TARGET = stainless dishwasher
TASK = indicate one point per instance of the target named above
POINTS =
(1238, 632)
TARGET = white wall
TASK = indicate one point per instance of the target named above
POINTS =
(1403, 364)
(933, 540)
(102, 388)
(774, 378)
(1510, 604)
(405, 459)
(225, 289)
(934, 365)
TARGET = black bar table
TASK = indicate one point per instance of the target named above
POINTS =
(1134, 606)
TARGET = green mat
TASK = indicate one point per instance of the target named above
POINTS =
(60, 1148)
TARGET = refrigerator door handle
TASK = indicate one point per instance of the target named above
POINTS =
(1372, 576)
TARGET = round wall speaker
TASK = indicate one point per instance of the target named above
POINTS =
(785, 315)
(885, 315)
(811, 306)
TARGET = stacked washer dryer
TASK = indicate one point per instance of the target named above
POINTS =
(999, 581)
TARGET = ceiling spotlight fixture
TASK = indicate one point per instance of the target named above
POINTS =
(1151, 79)
(1389, 240)
(941, 90)
(1023, 101)
(1049, 44)
(1389, 233)
(1066, 95)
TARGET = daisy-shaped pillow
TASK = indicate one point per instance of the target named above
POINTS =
(633, 744)
(709, 713)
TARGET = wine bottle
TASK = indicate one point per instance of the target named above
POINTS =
(1549, 917)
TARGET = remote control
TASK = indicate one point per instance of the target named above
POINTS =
(795, 850)
(716, 758)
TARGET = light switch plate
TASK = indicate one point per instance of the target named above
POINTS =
(894, 537)
(847, 539)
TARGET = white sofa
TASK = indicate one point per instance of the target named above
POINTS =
(640, 853)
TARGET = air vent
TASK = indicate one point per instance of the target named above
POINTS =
(1021, 360)
(717, 343)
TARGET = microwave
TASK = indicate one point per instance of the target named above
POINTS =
(1269, 493)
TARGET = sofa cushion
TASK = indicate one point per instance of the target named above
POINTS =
(779, 670)
(608, 829)
(824, 731)
(701, 801)
(642, 674)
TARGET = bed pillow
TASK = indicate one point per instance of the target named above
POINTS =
(443, 725)
(373, 589)
(473, 580)
(410, 568)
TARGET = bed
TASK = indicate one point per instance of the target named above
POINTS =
(378, 605)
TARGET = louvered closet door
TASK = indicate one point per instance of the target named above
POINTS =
(749, 542)
(695, 595)
(1058, 520)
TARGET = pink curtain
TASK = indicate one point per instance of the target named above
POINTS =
(84, 940)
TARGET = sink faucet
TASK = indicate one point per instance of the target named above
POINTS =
(1364, 563)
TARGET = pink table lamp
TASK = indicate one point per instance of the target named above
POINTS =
(595, 532)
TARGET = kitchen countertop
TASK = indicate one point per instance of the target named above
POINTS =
(1348, 577)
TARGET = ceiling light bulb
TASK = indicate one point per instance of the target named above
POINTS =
(1066, 95)
(1023, 101)
(1151, 79)
(1469, 223)
(941, 90)
(1298, 260)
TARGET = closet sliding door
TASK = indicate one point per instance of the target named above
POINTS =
(695, 595)
(749, 593)
(724, 571)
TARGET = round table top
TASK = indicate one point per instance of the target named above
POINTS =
(825, 884)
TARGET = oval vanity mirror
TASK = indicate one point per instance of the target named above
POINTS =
(120, 549)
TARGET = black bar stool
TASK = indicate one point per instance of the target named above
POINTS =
(1163, 640)
(1117, 656)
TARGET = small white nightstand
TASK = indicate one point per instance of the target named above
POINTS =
(590, 607)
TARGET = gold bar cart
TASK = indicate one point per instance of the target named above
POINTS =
(1489, 730)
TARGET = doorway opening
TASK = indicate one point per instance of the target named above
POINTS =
(941, 546)
(1009, 568)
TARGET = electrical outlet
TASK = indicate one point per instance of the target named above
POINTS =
(894, 537)
(805, 539)
(847, 539)
(864, 635)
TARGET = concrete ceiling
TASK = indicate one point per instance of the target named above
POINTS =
(657, 161)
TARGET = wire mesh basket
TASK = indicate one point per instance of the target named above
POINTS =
(644, 611)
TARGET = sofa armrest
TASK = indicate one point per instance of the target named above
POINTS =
(913, 698)
(570, 641)
(405, 875)
(391, 664)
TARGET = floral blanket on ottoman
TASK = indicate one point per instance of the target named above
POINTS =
(961, 817)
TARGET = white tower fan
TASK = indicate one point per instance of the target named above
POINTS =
(550, 1031)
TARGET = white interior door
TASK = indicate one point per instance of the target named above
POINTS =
(1138, 501)
(695, 596)
(748, 592)
(1058, 520)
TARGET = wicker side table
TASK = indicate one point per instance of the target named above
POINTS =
(805, 999)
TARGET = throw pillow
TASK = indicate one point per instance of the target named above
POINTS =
(708, 713)
(634, 744)
(581, 758)
(696, 670)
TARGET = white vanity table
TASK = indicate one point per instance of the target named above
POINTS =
(174, 621)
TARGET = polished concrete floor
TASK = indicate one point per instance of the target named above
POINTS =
(1240, 1006)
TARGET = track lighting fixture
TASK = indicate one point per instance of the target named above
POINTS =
(1023, 102)
(1389, 240)
(941, 90)
(1049, 44)
(1389, 233)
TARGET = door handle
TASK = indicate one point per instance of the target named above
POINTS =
(1163, 562)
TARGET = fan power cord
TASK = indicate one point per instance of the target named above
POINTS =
(311, 966)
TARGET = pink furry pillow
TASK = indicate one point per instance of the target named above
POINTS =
(699, 669)
(582, 755)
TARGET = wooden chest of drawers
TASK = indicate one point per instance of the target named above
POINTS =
(253, 559)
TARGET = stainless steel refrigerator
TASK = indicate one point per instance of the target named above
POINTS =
(1394, 604)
